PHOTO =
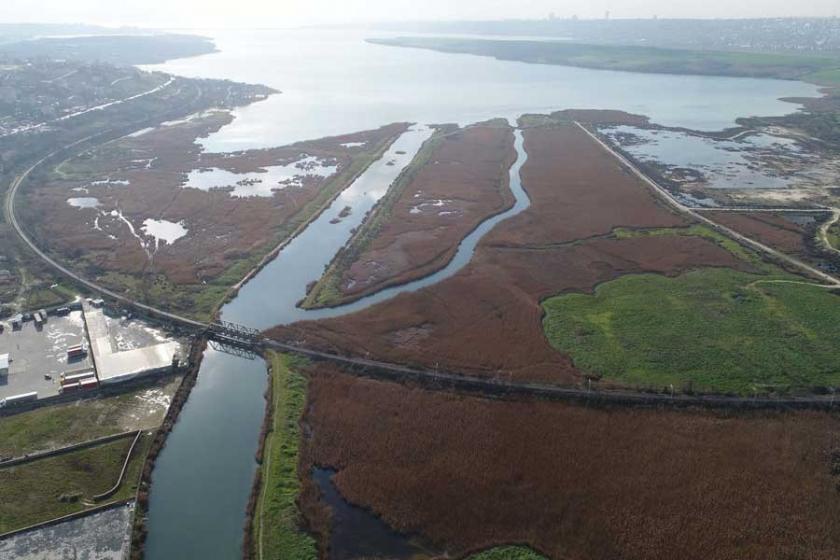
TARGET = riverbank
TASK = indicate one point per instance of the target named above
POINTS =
(458, 180)
(322, 207)
(273, 524)
(153, 215)
(179, 399)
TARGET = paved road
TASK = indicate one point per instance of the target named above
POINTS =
(824, 210)
(680, 207)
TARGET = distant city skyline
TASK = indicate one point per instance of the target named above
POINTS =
(285, 13)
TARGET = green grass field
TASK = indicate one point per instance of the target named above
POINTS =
(697, 231)
(276, 519)
(51, 427)
(507, 553)
(824, 77)
(712, 329)
(820, 69)
(833, 236)
(56, 486)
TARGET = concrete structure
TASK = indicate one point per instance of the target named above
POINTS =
(39, 355)
(102, 535)
(114, 364)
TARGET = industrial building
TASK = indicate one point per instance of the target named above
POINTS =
(113, 365)
(76, 350)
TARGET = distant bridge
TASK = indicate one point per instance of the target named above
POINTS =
(235, 339)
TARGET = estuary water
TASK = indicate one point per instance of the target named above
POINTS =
(334, 83)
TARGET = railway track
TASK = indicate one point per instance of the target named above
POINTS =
(666, 196)
(436, 379)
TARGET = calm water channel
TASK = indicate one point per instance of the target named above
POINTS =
(335, 83)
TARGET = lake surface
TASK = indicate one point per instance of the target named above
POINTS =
(335, 83)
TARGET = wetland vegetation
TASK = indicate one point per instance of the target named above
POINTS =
(713, 329)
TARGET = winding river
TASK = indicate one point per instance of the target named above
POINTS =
(203, 476)
(336, 84)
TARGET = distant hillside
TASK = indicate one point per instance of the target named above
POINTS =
(821, 69)
(769, 35)
(14, 32)
(112, 49)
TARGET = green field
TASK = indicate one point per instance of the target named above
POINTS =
(833, 236)
(56, 486)
(275, 527)
(825, 77)
(712, 330)
(820, 69)
(507, 553)
(698, 231)
(51, 427)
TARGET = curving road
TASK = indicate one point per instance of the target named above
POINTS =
(12, 219)
(435, 379)
(823, 231)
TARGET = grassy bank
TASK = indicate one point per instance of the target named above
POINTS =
(818, 69)
(327, 292)
(276, 522)
(712, 329)
(56, 486)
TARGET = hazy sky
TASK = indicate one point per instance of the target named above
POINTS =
(282, 13)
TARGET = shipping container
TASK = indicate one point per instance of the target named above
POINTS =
(81, 376)
(89, 383)
(76, 351)
(70, 387)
